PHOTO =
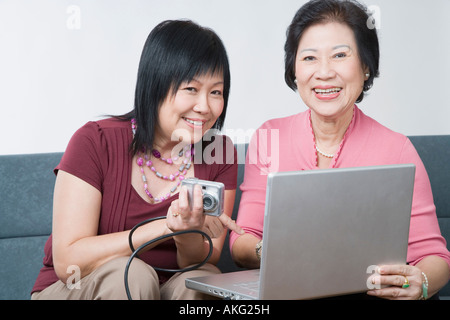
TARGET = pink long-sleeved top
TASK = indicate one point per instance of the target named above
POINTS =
(288, 144)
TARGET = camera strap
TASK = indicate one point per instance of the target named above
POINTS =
(143, 246)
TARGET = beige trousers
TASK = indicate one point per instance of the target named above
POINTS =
(107, 283)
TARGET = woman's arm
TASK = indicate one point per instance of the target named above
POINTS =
(437, 271)
(252, 204)
(244, 251)
(76, 212)
(427, 250)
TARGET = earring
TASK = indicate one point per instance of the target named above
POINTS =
(367, 75)
(295, 81)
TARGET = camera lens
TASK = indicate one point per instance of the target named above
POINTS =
(209, 202)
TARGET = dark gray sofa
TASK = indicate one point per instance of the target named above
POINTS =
(26, 191)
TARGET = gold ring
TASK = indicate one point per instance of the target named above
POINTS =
(406, 283)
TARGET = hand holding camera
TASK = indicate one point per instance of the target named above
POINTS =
(213, 195)
(201, 202)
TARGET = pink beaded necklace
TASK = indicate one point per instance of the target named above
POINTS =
(179, 175)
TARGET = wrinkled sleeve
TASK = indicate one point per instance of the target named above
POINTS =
(82, 157)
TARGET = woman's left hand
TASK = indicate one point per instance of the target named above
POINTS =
(404, 282)
(215, 226)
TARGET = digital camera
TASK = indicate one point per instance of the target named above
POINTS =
(213, 195)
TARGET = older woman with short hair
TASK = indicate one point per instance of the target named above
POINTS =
(332, 58)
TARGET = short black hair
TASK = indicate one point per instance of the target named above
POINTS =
(348, 12)
(176, 51)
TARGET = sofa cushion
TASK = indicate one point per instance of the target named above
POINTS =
(26, 193)
(26, 190)
(19, 266)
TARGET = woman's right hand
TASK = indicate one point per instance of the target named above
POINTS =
(180, 217)
(211, 225)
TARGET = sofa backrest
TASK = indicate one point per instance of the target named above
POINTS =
(26, 199)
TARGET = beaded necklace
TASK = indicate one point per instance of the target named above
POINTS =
(178, 176)
(326, 155)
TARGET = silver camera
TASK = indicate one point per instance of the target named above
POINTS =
(213, 195)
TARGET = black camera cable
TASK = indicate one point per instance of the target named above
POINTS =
(140, 248)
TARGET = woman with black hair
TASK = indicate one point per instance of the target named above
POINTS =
(120, 171)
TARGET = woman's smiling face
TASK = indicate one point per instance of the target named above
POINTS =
(192, 110)
(329, 72)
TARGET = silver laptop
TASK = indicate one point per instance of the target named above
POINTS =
(324, 233)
